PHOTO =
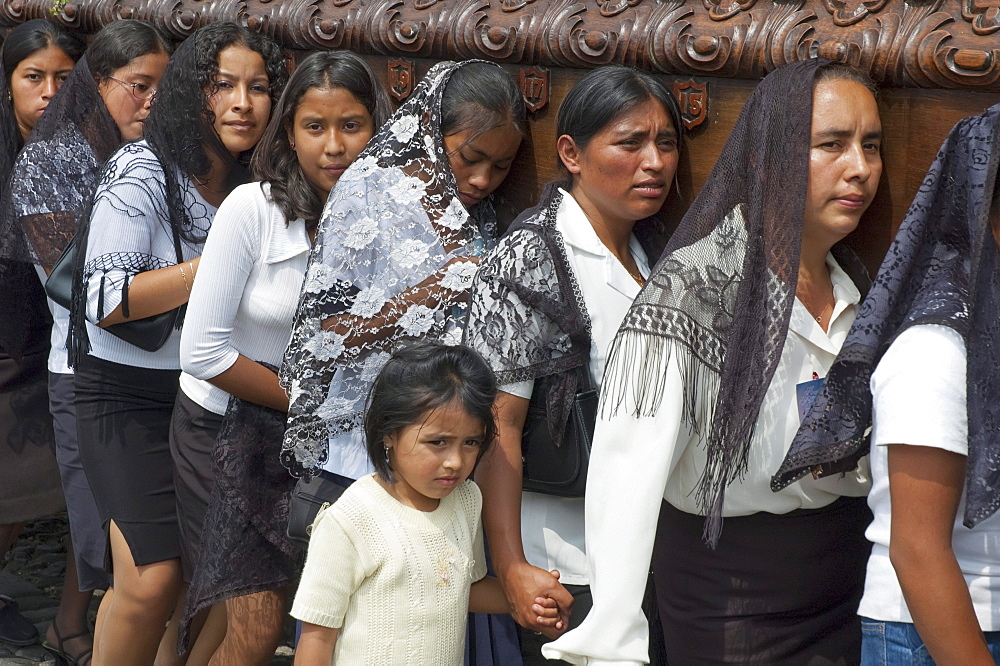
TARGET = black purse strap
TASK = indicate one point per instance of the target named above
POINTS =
(585, 382)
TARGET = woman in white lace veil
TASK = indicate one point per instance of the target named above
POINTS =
(395, 252)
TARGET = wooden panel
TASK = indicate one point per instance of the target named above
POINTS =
(909, 43)
(940, 59)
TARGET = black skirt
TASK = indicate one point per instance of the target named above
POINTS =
(193, 430)
(245, 547)
(778, 589)
(123, 420)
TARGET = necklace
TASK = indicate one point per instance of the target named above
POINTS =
(637, 278)
(812, 310)
(641, 281)
(204, 183)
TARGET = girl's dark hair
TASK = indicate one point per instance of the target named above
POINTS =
(23, 41)
(604, 94)
(838, 71)
(275, 162)
(120, 42)
(35, 35)
(180, 129)
(422, 377)
(481, 96)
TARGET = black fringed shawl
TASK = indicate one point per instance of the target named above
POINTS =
(720, 299)
(942, 268)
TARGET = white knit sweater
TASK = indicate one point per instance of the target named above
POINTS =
(395, 580)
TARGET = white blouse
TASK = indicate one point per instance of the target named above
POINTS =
(919, 399)
(552, 528)
(637, 462)
(246, 292)
(130, 232)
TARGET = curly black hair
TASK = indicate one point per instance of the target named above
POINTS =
(180, 129)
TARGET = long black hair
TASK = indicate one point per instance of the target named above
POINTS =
(24, 40)
(180, 129)
(275, 161)
(420, 378)
(120, 42)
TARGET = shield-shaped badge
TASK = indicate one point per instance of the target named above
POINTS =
(400, 78)
(692, 98)
(535, 87)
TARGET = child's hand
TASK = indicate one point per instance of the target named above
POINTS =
(546, 612)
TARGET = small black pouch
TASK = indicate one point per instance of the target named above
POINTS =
(308, 498)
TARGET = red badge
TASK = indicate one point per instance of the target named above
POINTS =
(400, 78)
(692, 98)
(535, 87)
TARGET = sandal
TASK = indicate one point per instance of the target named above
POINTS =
(14, 627)
(81, 658)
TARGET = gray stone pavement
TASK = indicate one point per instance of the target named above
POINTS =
(32, 574)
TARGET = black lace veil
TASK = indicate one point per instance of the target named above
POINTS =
(720, 298)
(942, 268)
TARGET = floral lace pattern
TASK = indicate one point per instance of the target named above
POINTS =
(942, 268)
(393, 260)
(527, 315)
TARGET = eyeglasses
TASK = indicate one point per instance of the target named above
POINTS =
(141, 91)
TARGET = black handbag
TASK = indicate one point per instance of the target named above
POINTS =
(148, 334)
(309, 498)
(559, 470)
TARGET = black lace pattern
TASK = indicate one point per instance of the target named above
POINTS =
(942, 268)
(131, 212)
(245, 547)
(527, 315)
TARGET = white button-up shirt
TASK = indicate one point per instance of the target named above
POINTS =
(638, 461)
(552, 528)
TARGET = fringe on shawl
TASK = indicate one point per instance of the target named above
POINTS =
(634, 383)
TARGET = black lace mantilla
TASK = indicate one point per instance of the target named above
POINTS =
(942, 268)
(720, 300)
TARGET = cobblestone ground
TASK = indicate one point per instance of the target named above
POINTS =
(32, 574)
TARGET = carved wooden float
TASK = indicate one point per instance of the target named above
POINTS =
(939, 60)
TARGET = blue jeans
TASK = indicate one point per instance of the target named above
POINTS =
(899, 644)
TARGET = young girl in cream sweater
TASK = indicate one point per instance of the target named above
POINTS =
(397, 562)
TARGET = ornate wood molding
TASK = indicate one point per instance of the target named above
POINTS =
(903, 43)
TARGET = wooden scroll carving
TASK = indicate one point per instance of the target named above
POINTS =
(903, 43)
